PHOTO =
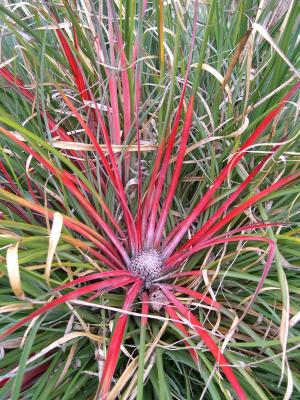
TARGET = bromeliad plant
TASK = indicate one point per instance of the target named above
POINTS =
(109, 134)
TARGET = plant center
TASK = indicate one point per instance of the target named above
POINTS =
(146, 265)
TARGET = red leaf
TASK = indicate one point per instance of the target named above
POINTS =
(80, 228)
(74, 64)
(112, 173)
(169, 246)
(254, 199)
(108, 284)
(176, 173)
(73, 189)
(8, 178)
(183, 274)
(124, 74)
(223, 239)
(52, 124)
(204, 335)
(197, 295)
(29, 375)
(175, 319)
(4, 72)
(170, 143)
(95, 276)
(116, 341)
(202, 204)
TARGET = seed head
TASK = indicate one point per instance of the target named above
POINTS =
(147, 266)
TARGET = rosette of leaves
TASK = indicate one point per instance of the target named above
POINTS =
(149, 196)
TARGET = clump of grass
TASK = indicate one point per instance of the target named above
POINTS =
(149, 200)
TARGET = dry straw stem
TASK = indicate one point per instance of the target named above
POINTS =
(123, 380)
(54, 238)
(235, 58)
(58, 343)
(257, 27)
(13, 270)
(115, 147)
